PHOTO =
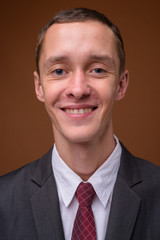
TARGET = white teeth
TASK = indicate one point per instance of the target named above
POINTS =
(75, 111)
(79, 111)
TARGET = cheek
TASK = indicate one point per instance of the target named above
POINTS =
(51, 94)
(49, 97)
(106, 93)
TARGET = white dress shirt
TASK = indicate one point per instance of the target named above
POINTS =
(102, 180)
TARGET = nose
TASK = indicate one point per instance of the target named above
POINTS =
(78, 86)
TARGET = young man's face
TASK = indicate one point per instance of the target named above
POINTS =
(79, 80)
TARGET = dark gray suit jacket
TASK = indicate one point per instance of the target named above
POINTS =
(29, 207)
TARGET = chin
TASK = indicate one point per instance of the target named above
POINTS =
(77, 134)
(80, 137)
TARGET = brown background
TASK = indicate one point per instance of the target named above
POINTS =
(25, 128)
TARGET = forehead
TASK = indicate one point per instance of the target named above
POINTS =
(79, 38)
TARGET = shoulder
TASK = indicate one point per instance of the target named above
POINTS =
(16, 187)
(23, 172)
(145, 167)
(22, 177)
(147, 188)
(134, 169)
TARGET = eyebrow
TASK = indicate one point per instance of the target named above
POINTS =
(105, 58)
(54, 59)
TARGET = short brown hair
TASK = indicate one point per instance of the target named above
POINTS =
(79, 15)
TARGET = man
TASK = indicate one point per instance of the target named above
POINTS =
(80, 73)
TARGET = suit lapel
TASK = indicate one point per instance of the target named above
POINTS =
(45, 203)
(125, 202)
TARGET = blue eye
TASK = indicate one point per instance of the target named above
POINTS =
(59, 71)
(99, 70)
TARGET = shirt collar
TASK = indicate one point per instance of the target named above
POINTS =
(102, 180)
(67, 180)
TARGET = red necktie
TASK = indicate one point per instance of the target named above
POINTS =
(84, 224)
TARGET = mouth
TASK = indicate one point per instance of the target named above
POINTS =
(78, 111)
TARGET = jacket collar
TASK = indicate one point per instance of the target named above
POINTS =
(45, 203)
(125, 202)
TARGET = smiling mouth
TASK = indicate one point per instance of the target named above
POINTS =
(78, 110)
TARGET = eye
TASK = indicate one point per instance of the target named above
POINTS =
(99, 70)
(59, 72)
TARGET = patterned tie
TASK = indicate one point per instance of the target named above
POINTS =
(84, 224)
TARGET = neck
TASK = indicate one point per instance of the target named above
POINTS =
(85, 158)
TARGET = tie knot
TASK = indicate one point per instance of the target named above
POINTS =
(85, 194)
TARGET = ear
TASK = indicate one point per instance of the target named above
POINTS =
(38, 87)
(122, 85)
